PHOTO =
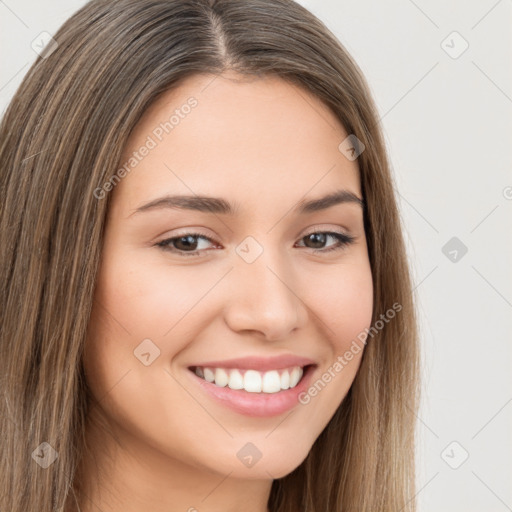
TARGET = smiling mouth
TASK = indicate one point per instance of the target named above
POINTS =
(252, 381)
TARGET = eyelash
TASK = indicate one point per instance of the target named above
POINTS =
(343, 241)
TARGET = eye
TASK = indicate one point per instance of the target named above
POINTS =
(319, 238)
(184, 245)
(188, 244)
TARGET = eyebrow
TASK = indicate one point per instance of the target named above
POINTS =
(221, 206)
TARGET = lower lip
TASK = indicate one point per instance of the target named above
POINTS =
(256, 404)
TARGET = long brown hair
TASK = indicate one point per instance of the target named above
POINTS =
(61, 138)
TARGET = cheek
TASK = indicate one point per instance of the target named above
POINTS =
(149, 300)
(132, 306)
(343, 302)
(136, 301)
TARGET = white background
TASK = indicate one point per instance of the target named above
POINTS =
(448, 127)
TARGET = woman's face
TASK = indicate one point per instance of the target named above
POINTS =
(251, 289)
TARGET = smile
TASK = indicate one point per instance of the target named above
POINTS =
(252, 381)
(256, 385)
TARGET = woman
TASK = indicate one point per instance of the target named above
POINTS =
(207, 303)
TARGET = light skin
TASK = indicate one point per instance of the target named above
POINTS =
(264, 145)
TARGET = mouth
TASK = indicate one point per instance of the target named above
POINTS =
(255, 386)
(252, 380)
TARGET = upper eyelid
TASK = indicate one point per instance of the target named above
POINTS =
(323, 228)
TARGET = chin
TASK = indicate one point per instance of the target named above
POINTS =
(274, 464)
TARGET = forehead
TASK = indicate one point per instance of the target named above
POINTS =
(251, 139)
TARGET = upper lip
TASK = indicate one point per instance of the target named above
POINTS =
(259, 363)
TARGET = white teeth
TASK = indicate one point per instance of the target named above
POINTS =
(285, 380)
(221, 377)
(208, 375)
(252, 381)
(236, 380)
(271, 382)
(295, 376)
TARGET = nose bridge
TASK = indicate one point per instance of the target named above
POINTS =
(264, 297)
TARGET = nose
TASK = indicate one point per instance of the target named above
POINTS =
(265, 299)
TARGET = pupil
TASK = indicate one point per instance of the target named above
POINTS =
(318, 238)
(188, 241)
